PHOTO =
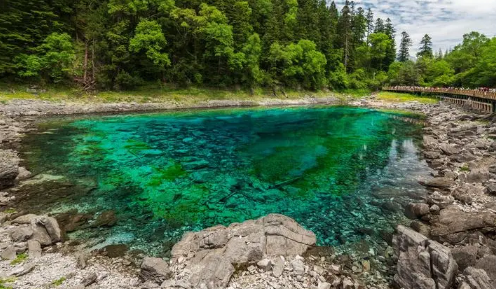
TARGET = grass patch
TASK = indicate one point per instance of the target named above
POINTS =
(356, 93)
(58, 282)
(4, 281)
(19, 259)
(401, 112)
(465, 168)
(405, 97)
(10, 211)
(158, 93)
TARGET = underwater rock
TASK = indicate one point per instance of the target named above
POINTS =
(195, 165)
(114, 250)
(210, 255)
(73, 220)
(422, 263)
(105, 219)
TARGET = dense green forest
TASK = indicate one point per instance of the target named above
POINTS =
(297, 44)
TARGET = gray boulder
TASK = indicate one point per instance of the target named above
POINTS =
(34, 249)
(491, 189)
(155, 270)
(24, 219)
(431, 155)
(43, 229)
(477, 279)
(449, 149)
(422, 263)
(24, 174)
(440, 183)
(40, 235)
(23, 270)
(9, 168)
(454, 224)
(8, 253)
(488, 264)
(430, 142)
(476, 176)
(212, 254)
(89, 279)
(417, 210)
(465, 256)
(441, 200)
(52, 228)
(21, 234)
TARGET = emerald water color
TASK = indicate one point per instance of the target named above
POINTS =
(343, 173)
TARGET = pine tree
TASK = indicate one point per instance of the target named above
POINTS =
(379, 26)
(240, 21)
(307, 20)
(440, 55)
(24, 24)
(406, 43)
(274, 30)
(325, 24)
(425, 47)
(359, 26)
(391, 50)
(370, 24)
(346, 33)
(334, 14)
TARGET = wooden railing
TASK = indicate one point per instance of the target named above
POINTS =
(453, 91)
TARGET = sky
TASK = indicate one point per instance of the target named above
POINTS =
(444, 20)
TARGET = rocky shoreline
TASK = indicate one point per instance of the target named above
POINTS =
(455, 225)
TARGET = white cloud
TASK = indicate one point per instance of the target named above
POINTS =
(444, 20)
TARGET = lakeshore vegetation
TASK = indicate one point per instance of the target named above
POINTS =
(274, 45)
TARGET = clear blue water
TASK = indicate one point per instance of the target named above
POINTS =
(344, 173)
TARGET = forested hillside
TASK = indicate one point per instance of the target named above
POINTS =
(299, 44)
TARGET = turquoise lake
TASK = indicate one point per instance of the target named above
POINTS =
(344, 173)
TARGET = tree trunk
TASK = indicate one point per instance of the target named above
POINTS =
(85, 65)
(93, 61)
(346, 54)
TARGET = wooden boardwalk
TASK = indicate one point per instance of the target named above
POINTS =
(465, 92)
(484, 101)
